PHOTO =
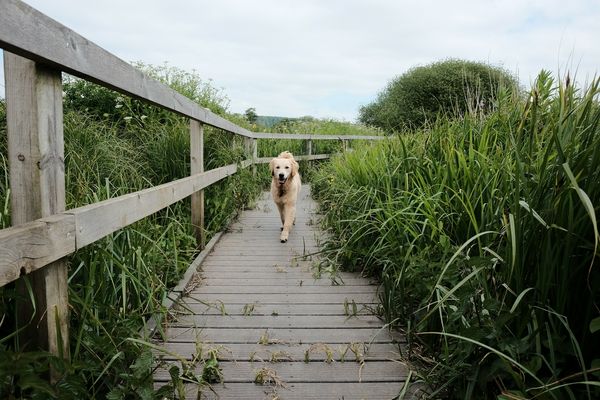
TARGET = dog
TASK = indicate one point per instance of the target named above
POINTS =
(285, 186)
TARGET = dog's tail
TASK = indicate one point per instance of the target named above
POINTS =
(286, 154)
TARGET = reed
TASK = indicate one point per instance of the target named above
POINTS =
(483, 231)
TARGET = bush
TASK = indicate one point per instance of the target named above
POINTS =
(452, 86)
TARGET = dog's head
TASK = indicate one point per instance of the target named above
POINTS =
(283, 167)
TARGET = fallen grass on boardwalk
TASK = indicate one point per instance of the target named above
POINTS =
(484, 233)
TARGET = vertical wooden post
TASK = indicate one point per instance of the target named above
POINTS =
(254, 155)
(37, 182)
(250, 151)
(344, 145)
(309, 150)
(197, 166)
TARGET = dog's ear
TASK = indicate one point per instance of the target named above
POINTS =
(295, 167)
(272, 167)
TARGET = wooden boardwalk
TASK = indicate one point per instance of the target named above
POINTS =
(260, 307)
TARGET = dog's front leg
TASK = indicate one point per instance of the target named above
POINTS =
(289, 219)
(281, 214)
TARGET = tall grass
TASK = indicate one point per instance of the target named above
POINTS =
(484, 233)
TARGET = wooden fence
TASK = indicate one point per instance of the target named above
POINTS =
(37, 50)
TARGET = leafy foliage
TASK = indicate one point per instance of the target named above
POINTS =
(484, 233)
(451, 87)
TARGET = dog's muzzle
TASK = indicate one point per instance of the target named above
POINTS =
(281, 179)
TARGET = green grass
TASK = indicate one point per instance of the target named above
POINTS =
(483, 232)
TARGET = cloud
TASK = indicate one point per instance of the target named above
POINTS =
(326, 58)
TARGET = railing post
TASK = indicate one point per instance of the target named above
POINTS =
(250, 151)
(36, 161)
(309, 150)
(254, 155)
(309, 147)
(197, 166)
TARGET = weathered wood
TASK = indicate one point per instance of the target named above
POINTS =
(285, 281)
(36, 154)
(257, 300)
(241, 308)
(29, 33)
(285, 352)
(100, 219)
(305, 391)
(375, 371)
(29, 247)
(276, 321)
(249, 335)
(285, 289)
(287, 298)
(254, 149)
(197, 167)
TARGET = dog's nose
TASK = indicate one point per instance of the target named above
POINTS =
(281, 176)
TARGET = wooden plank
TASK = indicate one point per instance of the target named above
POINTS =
(29, 33)
(268, 280)
(240, 308)
(285, 352)
(289, 372)
(282, 271)
(288, 274)
(274, 321)
(251, 257)
(304, 391)
(29, 247)
(36, 159)
(283, 289)
(97, 220)
(197, 167)
(286, 336)
(301, 298)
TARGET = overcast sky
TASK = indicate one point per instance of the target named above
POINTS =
(326, 58)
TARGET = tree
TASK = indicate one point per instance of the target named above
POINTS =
(451, 86)
(251, 115)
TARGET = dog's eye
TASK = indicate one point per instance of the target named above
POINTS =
(287, 167)
(278, 167)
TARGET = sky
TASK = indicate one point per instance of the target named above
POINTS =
(326, 58)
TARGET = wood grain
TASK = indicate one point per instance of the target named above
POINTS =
(197, 167)
(100, 219)
(36, 159)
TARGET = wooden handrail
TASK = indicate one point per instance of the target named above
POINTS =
(45, 234)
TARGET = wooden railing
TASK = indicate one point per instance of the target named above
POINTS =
(37, 50)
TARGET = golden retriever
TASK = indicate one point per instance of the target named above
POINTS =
(285, 186)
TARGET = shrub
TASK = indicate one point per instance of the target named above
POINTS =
(419, 95)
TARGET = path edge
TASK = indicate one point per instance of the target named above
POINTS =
(152, 325)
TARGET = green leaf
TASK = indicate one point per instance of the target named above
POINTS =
(595, 325)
